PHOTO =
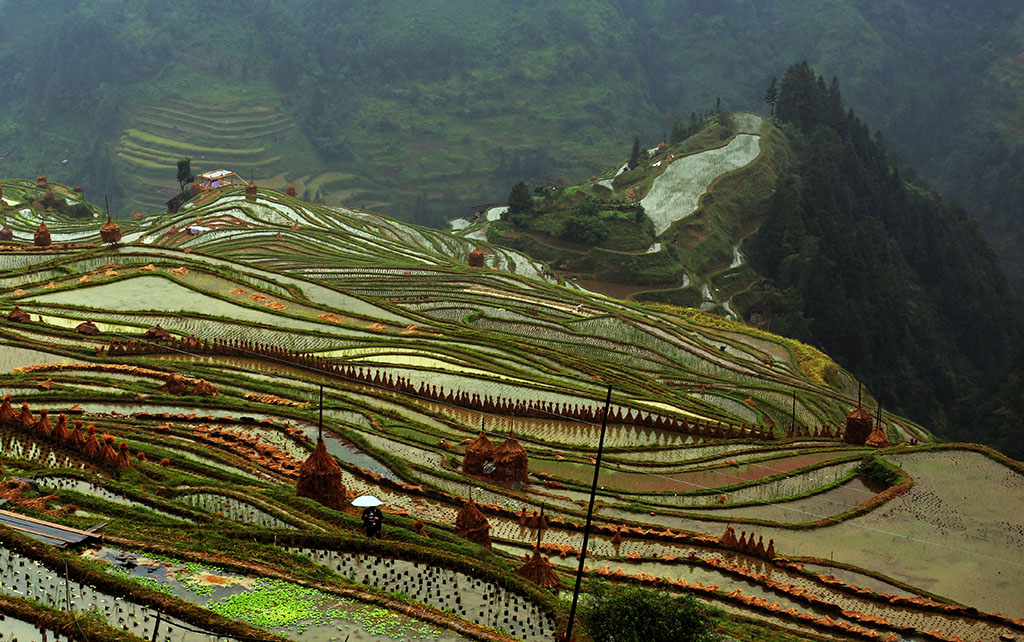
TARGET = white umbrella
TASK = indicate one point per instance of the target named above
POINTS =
(366, 500)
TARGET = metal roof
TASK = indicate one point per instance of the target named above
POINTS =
(217, 173)
(46, 532)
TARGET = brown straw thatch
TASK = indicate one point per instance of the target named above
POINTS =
(877, 438)
(18, 315)
(124, 456)
(320, 478)
(471, 524)
(25, 419)
(42, 236)
(107, 454)
(478, 452)
(156, 333)
(7, 414)
(290, 190)
(728, 538)
(43, 426)
(60, 431)
(175, 385)
(204, 388)
(76, 439)
(110, 232)
(88, 328)
(538, 570)
(92, 444)
(476, 258)
(6, 233)
(511, 462)
(858, 426)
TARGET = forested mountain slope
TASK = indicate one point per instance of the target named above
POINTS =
(815, 232)
(418, 108)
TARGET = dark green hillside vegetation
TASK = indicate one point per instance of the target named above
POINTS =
(896, 283)
(420, 108)
(822, 237)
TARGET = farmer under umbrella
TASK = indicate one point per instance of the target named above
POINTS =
(373, 518)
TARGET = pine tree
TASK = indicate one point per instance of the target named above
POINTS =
(634, 156)
(520, 204)
(185, 175)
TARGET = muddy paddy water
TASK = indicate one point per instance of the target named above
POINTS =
(26, 578)
(22, 631)
(679, 481)
(279, 606)
(469, 598)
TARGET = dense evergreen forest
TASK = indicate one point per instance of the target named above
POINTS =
(420, 108)
(897, 285)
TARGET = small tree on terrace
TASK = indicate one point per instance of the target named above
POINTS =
(185, 175)
(771, 95)
(621, 613)
(520, 204)
(634, 156)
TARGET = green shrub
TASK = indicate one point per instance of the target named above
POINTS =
(623, 613)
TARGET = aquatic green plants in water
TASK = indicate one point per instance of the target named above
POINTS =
(273, 603)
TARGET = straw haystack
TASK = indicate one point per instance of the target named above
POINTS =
(250, 191)
(92, 444)
(124, 456)
(7, 414)
(49, 200)
(320, 478)
(471, 524)
(110, 232)
(175, 385)
(42, 236)
(88, 328)
(43, 426)
(511, 462)
(478, 452)
(41, 181)
(877, 438)
(290, 190)
(728, 538)
(858, 426)
(538, 570)
(476, 258)
(6, 233)
(107, 454)
(18, 315)
(156, 333)
(75, 439)
(60, 431)
(204, 388)
(25, 418)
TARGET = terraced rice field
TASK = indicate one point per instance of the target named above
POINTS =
(416, 354)
(676, 193)
(240, 136)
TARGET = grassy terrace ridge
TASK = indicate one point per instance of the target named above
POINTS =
(712, 423)
(144, 137)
